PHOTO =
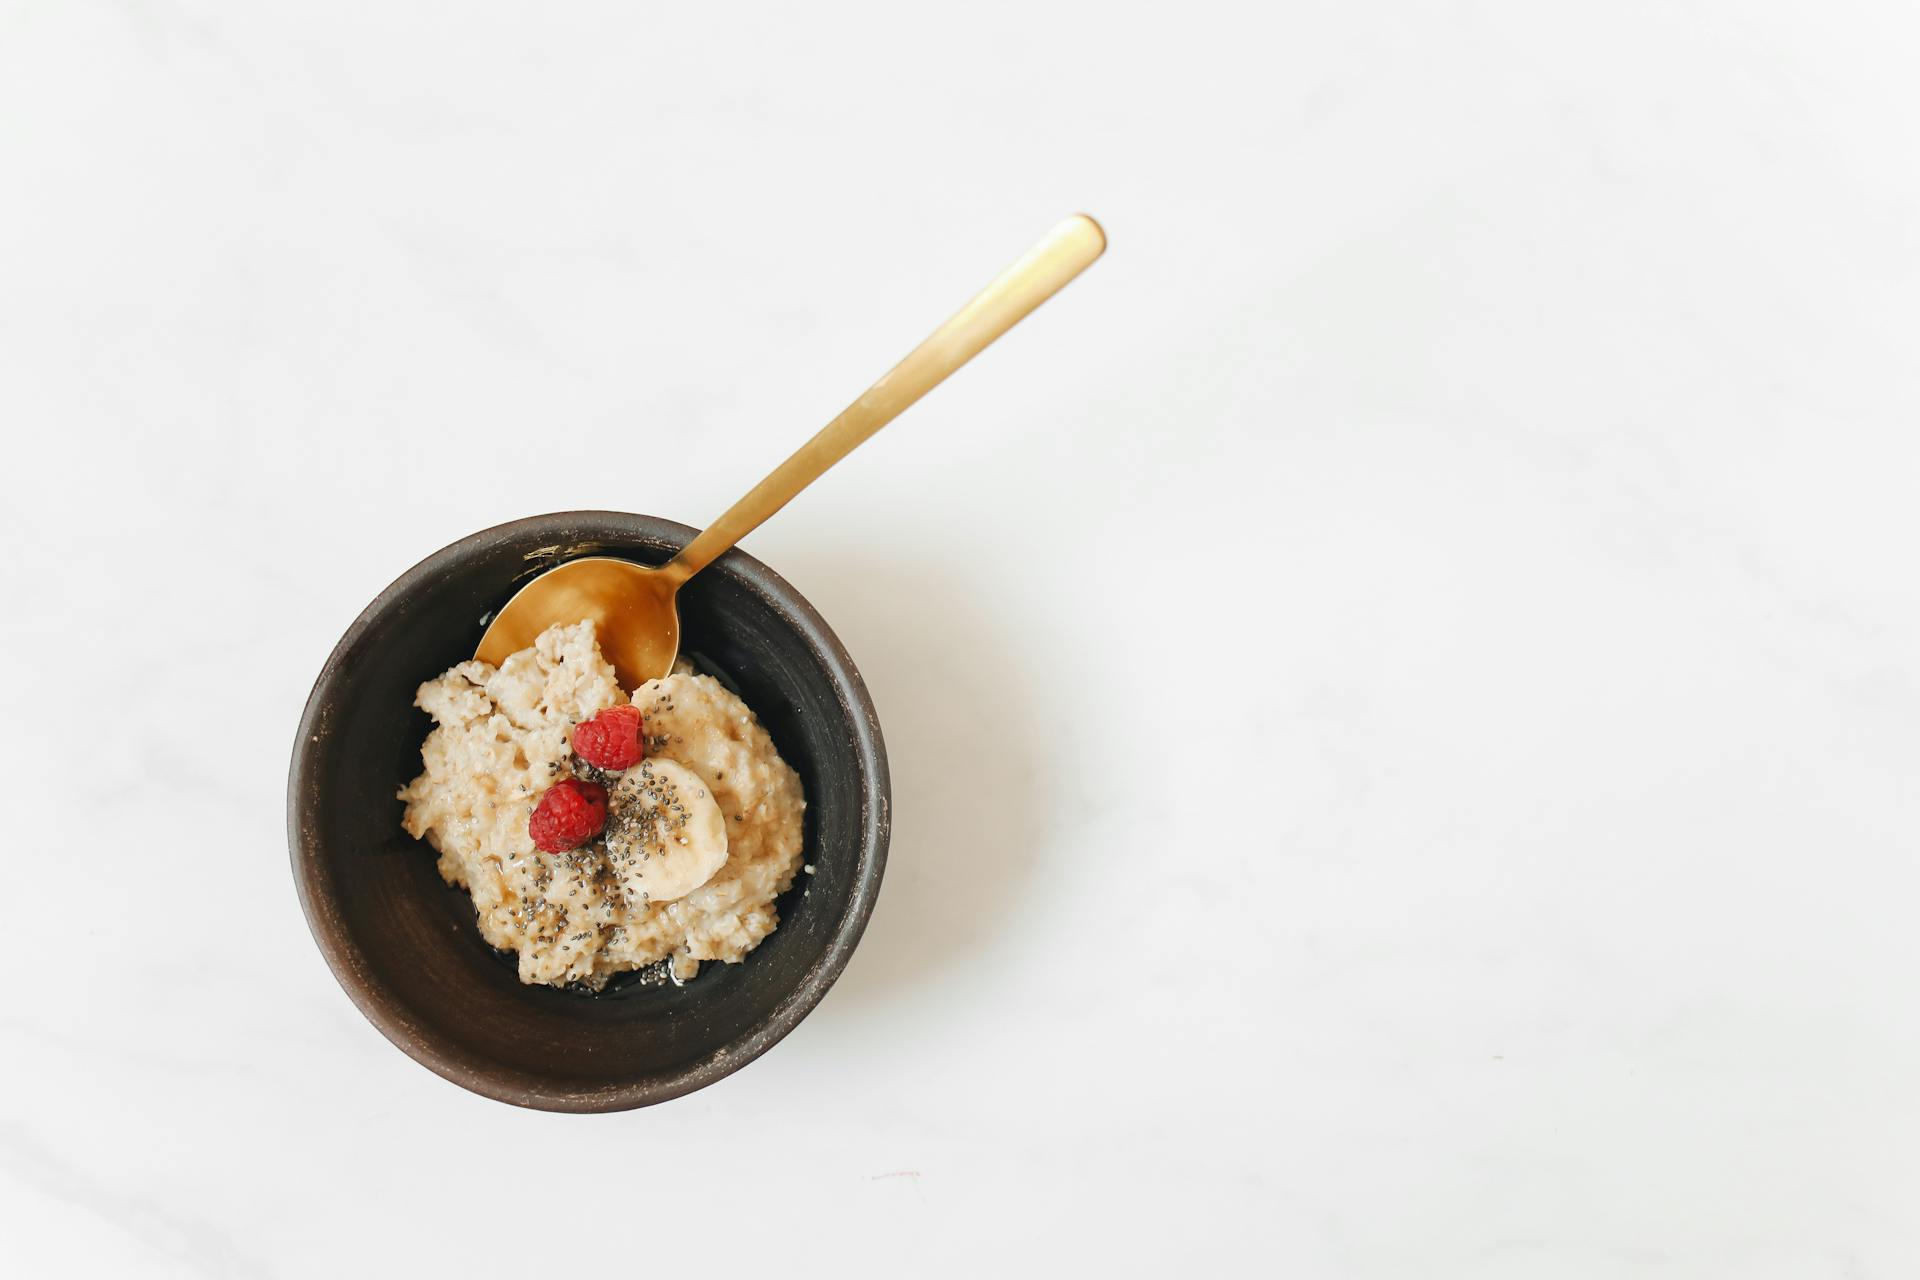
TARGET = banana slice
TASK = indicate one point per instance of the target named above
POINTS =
(666, 835)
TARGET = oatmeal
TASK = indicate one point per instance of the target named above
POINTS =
(677, 857)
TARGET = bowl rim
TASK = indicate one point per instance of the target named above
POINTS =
(524, 1089)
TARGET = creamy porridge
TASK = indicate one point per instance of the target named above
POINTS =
(586, 872)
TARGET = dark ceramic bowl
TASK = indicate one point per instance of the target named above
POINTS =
(405, 945)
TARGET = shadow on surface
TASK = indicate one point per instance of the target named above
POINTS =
(964, 751)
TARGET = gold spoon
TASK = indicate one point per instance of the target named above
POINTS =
(632, 605)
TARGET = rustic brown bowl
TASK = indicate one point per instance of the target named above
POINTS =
(405, 945)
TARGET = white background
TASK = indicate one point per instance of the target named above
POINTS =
(1401, 683)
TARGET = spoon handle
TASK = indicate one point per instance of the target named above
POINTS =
(1068, 249)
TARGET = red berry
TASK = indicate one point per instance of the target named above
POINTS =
(568, 815)
(613, 740)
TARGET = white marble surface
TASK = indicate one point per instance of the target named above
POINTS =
(1402, 683)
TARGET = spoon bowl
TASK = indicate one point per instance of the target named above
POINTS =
(631, 605)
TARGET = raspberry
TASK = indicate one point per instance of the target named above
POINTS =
(613, 740)
(569, 815)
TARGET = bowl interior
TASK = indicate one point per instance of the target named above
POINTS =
(405, 945)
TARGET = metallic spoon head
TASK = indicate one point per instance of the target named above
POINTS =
(631, 606)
